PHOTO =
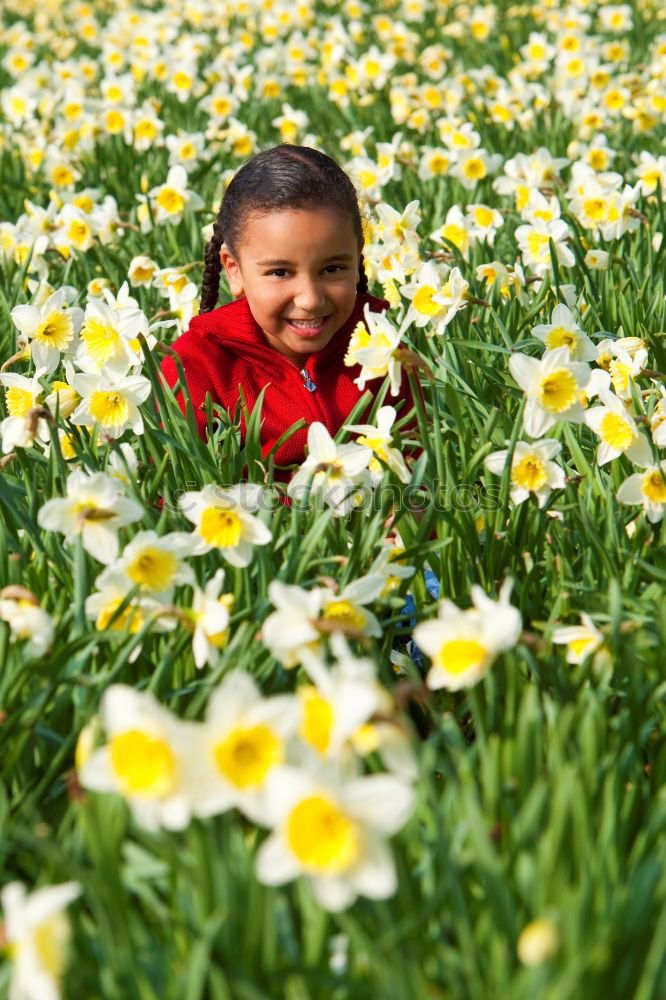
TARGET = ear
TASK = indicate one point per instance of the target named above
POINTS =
(232, 271)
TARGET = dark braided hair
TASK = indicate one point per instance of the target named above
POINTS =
(279, 178)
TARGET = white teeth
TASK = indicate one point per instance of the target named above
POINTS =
(307, 324)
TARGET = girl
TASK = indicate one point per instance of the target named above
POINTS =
(289, 237)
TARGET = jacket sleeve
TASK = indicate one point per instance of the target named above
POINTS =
(195, 356)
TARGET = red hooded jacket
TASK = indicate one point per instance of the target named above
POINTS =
(225, 348)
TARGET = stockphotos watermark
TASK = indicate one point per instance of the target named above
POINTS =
(443, 498)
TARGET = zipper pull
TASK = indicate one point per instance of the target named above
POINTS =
(309, 384)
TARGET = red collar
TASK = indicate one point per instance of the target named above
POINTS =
(234, 326)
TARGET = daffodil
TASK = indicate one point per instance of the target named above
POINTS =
(429, 297)
(581, 640)
(303, 617)
(155, 564)
(52, 328)
(242, 742)
(348, 608)
(37, 936)
(112, 594)
(625, 367)
(123, 463)
(185, 149)
(647, 488)
(535, 240)
(147, 758)
(291, 123)
(183, 304)
(210, 612)
(23, 398)
(484, 221)
(141, 271)
(473, 165)
(532, 470)
(380, 438)
(651, 171)
(397, 228)
(340, 699)
(597, 260)
(463, 644)
(334, 834)
(173, 198)
(391, 566)
(93, 508)
(330, 470)
(375, 345)
(73, 231)
(224, 520)
(110, 402)
(496, 274)
(658, 420)
(108, 339)
(540, 207)
(452, 296)
(62, 398)
(293, 624)
(26, 619)
(455, 229)
(540, 939)
(564, 331)
(552, 386)
(435, 162)
(617, 431)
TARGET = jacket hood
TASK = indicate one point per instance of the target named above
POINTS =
(234, 327)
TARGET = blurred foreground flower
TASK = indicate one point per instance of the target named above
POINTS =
(463, 644)
(20, 609)
(304, 617)
(37, 934)
(581, 640)
(334, 834)
(243, 740)
(210, 616)
(146, 759)
(538, 941)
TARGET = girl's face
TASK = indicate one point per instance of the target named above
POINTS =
(298, 269)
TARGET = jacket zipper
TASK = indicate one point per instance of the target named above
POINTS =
(305, 375)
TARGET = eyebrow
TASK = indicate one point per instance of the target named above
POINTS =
(282, 263)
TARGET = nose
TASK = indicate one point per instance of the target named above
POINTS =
(309, 295)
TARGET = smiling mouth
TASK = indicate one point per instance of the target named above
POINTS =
(314, 323)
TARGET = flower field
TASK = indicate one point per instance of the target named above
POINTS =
(389, 724)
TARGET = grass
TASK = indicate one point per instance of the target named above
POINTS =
(540, 792)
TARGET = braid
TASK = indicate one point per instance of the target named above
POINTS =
(210, 284)
(362, 277)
